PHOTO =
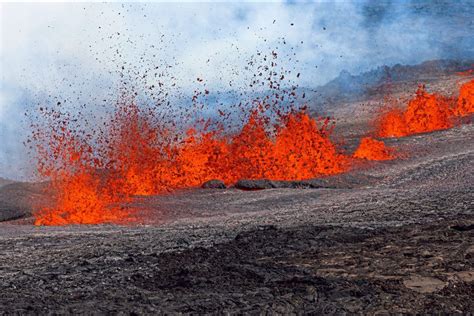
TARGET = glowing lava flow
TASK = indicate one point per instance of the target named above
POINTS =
(82, 195)
(139, 157)
(150, 163)
(465, 104)
(372, 149)
(426, 112)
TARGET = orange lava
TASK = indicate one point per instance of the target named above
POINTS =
(81, 200)
(426, 112)
(372, 149)
(138, 156)
(150, 163)
(81, 194)
(465, 104)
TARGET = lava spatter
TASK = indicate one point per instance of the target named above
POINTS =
(136, 155)
(372, 149)
(465, 103)
(426, 112)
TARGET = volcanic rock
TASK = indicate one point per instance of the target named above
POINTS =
(334, 182)
(213, 184)
(463, 227)
(246, 184)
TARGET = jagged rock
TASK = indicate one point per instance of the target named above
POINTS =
(463, 227)
(246, 184)
(333, 183)
(213, 184)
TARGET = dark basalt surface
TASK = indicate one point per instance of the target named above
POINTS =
(310, 269)
(340, 181)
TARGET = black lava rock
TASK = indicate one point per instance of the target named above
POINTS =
(213, 184)
(261, 184)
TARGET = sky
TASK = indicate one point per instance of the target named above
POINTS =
(75, 50)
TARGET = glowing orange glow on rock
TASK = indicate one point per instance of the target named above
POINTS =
(426, 112)
(465, 104)
(372, 149)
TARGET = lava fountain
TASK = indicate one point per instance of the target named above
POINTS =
(94, 175)
(372, 149)
(426, 112)
(465, 104)
(136, 155)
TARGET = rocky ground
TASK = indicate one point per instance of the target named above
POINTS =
(394, 237)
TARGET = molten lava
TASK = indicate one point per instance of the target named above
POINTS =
(138, 156)
(372, 149)
(426, 112)
(465, 104)
(82, 195)
(303, 149)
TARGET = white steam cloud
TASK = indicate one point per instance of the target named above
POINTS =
(62, 48)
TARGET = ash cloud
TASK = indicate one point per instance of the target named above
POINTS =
(71, 51)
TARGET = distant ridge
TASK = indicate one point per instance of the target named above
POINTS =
(4, 181)
(350, 88)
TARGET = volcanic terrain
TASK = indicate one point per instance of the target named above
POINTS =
(393, 236)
